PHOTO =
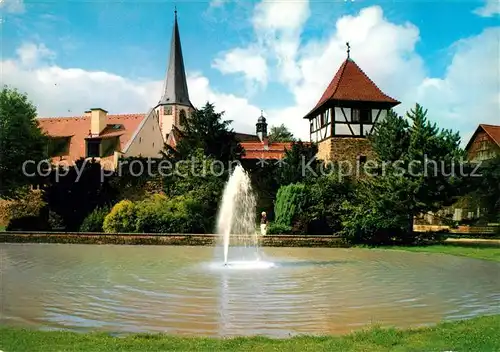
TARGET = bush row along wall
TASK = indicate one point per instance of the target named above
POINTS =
(169, 240)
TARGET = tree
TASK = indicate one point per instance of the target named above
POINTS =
(280, 134)
(422, 172)
(20, 140)
(74, 193)
(299, 164)
(204, 129)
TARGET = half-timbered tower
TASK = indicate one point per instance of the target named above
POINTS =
(346, 114)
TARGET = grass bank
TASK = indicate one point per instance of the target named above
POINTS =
(479, 334)
(471, 250)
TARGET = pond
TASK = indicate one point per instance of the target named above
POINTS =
(179, 290)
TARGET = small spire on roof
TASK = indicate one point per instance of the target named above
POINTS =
(348, 50)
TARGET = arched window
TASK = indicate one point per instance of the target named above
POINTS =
(182, 117)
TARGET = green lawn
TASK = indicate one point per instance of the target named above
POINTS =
(478, 251)
(2, 228)
(479, 334)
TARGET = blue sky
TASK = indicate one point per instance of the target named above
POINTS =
(130, 40)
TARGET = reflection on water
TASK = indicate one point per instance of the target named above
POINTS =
(176, 289)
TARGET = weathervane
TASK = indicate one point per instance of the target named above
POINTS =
(348, 50)
(175, 10)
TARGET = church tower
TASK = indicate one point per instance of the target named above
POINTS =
(261, 127)
(346, 114)
(174, 105)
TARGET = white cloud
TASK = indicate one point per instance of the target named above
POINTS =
(31, 54)
(12, 6)
(489, 9)
(218, 3)
(385, 51)
(277, 25)
(58, 91)
(248, 61)
(466, 95)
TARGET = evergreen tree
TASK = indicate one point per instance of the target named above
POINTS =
(280, 134)
(204, 129)
(423, 172)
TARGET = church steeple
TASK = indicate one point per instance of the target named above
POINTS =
(175, 90)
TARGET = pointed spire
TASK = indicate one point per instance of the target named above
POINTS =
(175, 90)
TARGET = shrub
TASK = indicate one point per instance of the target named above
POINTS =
(121, 218)
(55, 221)
(378, 214)
(181, 214)
(278, 229)
(371, 225)
(28, 223)
(95, 220)
(323, 206)
(26, 213)
(289, 202)
(158, 214)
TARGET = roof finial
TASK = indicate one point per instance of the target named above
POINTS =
(261, 112)
(175, 11)
(348, 50)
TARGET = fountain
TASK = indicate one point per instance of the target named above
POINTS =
(237, 218)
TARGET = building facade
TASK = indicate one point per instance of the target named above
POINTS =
(484, 143)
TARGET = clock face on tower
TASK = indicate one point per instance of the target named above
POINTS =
(167, 110)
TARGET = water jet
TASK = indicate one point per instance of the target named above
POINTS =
(236, 219)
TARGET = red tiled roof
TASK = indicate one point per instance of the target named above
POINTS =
(78, 128)
(257, 150)
(351, 83)
(245, 137)
(493, 131)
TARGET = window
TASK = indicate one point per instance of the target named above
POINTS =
(93, 148)
(361, 115)
(362, 159)
(58, 146)
(322, 120)
(109, 146)
(167, 110)
(182, 117)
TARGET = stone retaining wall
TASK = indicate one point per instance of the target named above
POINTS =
(167, 239)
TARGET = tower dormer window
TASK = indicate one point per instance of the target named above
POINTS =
(361, 115)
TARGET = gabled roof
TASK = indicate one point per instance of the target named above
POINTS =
(245, 137)
(493, 131)
(175, 89)
(260, 150)
(78, 128)
(174, 136)
(350, 83)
